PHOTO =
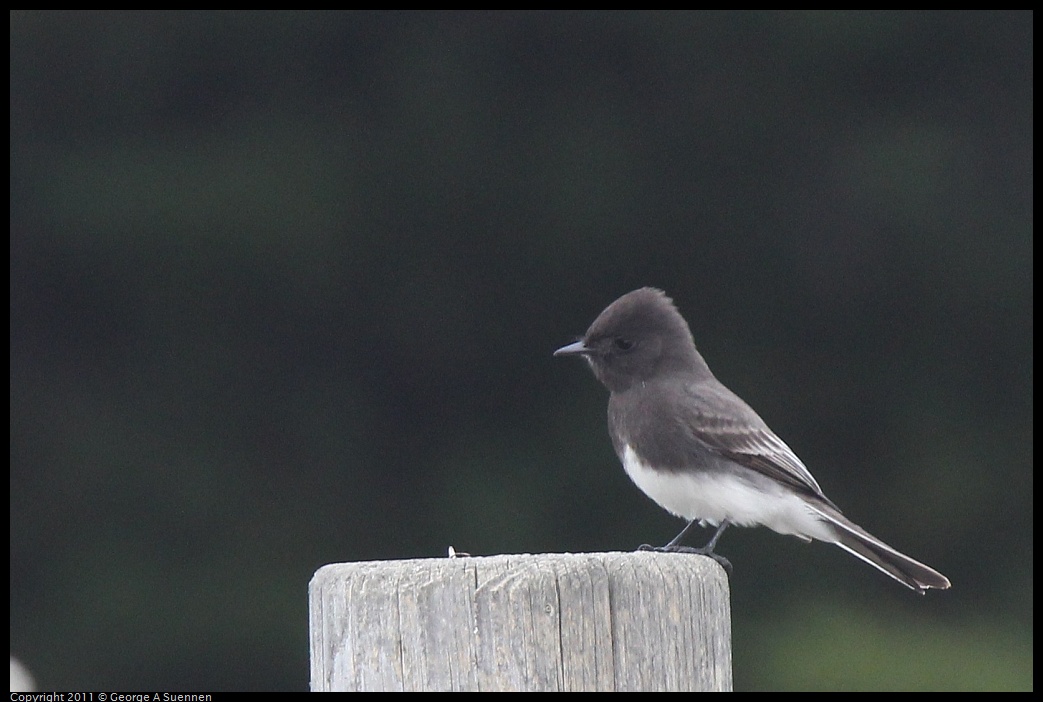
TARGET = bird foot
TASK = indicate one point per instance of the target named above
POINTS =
(725, 563)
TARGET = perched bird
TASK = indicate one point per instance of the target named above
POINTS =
(698, 450)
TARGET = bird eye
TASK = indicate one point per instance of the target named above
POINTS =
(623, 344)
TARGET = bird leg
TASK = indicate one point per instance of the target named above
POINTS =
(675, 546)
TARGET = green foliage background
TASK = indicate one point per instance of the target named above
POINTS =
(285, 285)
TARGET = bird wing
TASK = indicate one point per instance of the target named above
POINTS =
(727, 425)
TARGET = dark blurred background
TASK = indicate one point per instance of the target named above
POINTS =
(285, 288)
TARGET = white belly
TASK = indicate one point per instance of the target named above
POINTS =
(717, 496)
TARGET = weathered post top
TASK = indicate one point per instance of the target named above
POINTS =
(595, 621)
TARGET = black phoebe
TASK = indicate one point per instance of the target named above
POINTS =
(699, 451)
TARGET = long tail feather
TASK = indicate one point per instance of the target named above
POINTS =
(859, 542)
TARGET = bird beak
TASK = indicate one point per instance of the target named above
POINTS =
(578, 348)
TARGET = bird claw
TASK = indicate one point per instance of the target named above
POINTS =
(724, 562)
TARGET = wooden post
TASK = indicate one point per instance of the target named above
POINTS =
(596, 621)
